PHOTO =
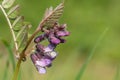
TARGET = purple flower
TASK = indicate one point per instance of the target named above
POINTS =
(49, 48)
(39, 38)
(52, 55)
(44, 55)
(34, 58)
(62, 33)
(43, 62)
(40, 48)
(53, 40)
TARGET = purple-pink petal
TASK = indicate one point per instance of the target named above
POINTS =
(49, 48)
(34, 58)
(62, 33)
(54, 40)
(43, 62)
(40, 47)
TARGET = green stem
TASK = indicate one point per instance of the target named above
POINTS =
(16, 70)
(117, 72)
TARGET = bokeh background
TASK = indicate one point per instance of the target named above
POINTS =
(86, 20)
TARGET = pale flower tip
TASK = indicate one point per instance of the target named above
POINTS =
(42, 70)
(53, 54)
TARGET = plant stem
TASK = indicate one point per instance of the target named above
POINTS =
(12, 32)
(17, 70)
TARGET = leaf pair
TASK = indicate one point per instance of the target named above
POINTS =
(52, 16)
(13, 13)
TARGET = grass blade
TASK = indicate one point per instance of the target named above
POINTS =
(84, 66)
(11, 56)
(117, 73)
(5, 75)
(19, 76)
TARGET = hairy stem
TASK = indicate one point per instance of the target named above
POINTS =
(12, 32)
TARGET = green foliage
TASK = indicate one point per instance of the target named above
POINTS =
(22, 37)
(13, 13)
(18, 23)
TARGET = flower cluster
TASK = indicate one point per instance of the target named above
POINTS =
(43, 56)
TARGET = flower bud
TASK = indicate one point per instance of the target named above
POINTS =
(39, 38)
(40, 47)
(34, 58)
(62, 33)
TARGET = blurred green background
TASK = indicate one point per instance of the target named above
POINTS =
(86, 20)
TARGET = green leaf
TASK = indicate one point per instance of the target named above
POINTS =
(7, 3)
(51, 16)
(22, 37)
(13, 13)
(18, 23)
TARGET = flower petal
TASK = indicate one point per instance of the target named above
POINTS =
(41, 70)
(43, 62)
(62, 33)
(49, 48)
(39, 38)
